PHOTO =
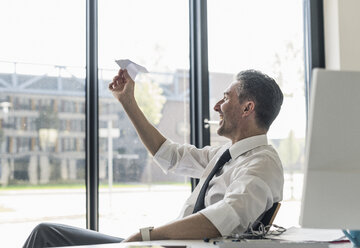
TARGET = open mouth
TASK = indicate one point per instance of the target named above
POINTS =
(221, 117)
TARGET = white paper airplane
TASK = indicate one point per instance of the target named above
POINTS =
(132, 68)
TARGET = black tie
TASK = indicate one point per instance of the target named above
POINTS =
(225, 157)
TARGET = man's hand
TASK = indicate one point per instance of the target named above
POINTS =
(122, 87)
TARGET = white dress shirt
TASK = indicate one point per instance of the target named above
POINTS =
(247, 186)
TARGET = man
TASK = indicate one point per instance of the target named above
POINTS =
(247, 180)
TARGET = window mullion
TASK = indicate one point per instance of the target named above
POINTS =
(92, 117)
(199, 75)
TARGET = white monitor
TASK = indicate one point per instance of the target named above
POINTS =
(331, 193)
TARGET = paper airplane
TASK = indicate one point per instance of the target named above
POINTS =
(132, 68)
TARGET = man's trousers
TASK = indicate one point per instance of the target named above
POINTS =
(52, 235)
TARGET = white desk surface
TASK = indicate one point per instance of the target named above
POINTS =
(202, 244)
(188, 243)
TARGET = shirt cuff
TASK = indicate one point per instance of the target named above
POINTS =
(225, 223)
(162, 156)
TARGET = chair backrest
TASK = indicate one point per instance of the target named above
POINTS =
(268, 217)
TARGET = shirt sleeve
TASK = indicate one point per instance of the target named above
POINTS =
(247, 197)
(183, 159)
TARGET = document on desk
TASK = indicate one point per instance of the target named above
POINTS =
(271, 244)
(294, 237)
(296, 234)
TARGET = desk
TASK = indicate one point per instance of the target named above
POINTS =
(202, 244)
(188, 243)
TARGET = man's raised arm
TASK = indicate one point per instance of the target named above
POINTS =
(122, 87)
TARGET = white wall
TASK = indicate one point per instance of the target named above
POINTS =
(342, 34)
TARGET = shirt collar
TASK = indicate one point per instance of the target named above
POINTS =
(247, 144)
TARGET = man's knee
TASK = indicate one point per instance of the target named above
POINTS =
(37, 236)
(44, 228)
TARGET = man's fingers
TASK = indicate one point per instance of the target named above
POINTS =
(111, 85)
(120, 79)
(115, 78)
(126, 75)
(116, 83)
(120, 72)
(123, 75)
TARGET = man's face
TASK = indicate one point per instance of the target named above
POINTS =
(229, 109)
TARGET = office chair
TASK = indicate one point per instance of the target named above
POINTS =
(266, 218)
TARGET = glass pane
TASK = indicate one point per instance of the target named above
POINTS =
(134, 192)
(42, 120)
(268, 36)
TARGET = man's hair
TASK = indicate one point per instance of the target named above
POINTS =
(264, 91)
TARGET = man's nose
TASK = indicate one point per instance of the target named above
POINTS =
(217, 106)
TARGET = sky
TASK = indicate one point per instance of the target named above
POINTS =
(53, 31)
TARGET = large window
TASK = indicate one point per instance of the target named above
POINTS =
(42, 104)
(155, 34)
(42, 82)
(267, 36)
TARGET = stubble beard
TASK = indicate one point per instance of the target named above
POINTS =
(225, 130)
(221, 130)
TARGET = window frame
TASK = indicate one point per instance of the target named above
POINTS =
(199, 84)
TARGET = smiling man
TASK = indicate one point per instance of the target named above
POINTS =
(251, 179)
(239, 181)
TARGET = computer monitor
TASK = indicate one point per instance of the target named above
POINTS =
(331, 193)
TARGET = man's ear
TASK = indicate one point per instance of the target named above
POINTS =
(249, 108)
